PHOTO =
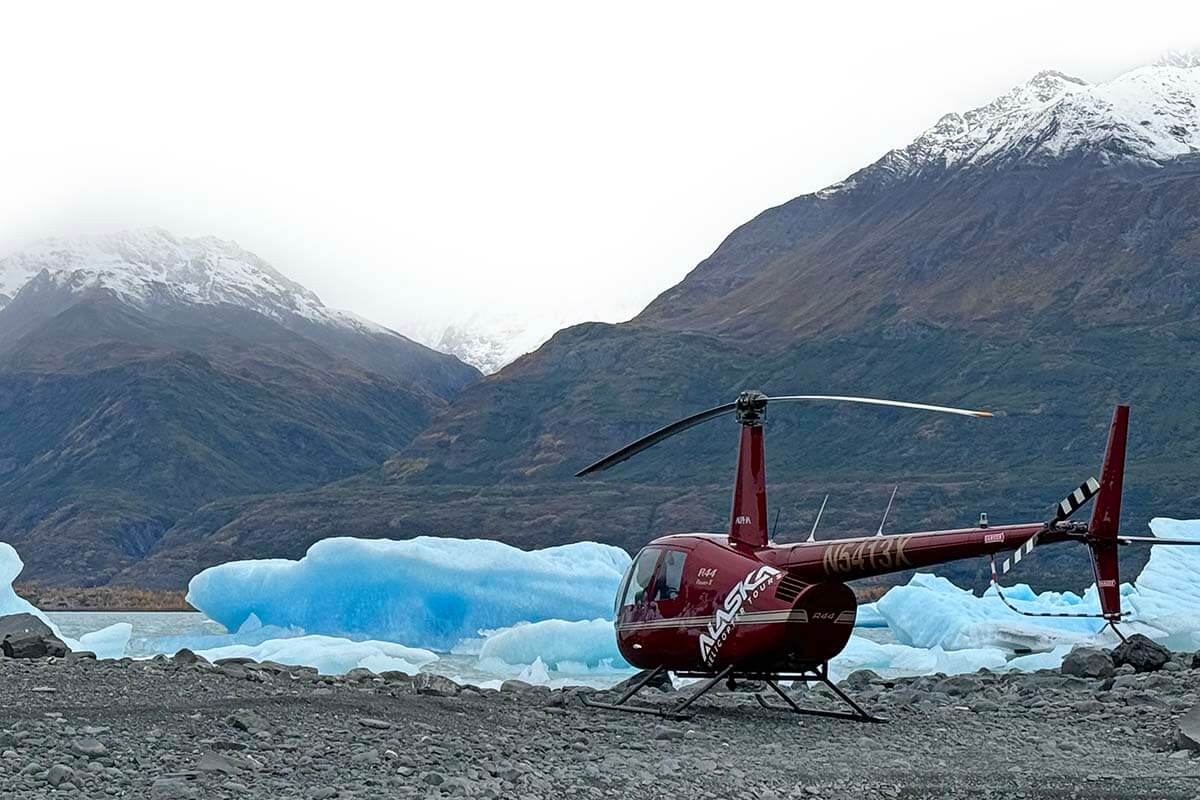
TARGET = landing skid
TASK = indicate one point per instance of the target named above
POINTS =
(678, 711)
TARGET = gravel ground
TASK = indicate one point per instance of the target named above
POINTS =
(181, 728)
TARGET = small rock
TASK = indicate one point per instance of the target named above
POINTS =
(958, 685)
(1188, 735)
(246, 720)
(172, 788)
(666, 733)
(377, 724)
(59, 774)
(91, 748)
(215, 762)
(366, 757)
(514, 685)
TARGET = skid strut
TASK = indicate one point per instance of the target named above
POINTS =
(821, 675)
(680, 710)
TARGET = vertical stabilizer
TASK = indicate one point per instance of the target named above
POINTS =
(1105, 523)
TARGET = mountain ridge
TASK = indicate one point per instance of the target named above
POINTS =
(142, 378)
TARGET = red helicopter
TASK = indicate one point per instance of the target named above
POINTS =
(734, 606)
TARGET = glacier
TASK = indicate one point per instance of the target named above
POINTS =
(426, 592)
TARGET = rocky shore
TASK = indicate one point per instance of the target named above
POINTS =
(183, 728)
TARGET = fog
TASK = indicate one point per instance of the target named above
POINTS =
(415, 163)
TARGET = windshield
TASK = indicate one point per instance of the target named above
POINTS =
(637, 578)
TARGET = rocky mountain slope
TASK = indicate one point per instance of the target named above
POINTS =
(142, 376)
(1037, 256)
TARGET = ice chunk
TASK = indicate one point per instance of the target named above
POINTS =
(428, 592)
(899, 660)
(10, 602)
(110, 642)
(587, 643)
(330, 655)
(932, 612)
(1164, 603)
(1168, 588)
(869, 617)
(1036, 661)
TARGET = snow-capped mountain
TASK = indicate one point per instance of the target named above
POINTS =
(151, 267)
(200, 282)
(491, 339)
(1148, 116)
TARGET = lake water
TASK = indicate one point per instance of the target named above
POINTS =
(153, 625)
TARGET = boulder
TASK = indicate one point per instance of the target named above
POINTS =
(1088, 662)
(860, 679)
(661, 681)
(186, 656)
(12, 624)
(1141, 653)
(958, 685)
(26, 636)
(438, 685)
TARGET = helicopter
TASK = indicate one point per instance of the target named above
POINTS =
(737, 607)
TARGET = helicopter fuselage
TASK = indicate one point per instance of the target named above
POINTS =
(697, 602)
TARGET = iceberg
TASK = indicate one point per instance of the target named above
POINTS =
(10, 602)
(557, 644)
(1167, 592)
(329, 655)
(427, 592)
(900, 660)
(109, 642)
(1164, 603)
(930, 611)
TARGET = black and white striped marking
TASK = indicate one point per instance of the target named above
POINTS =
(1066, 507)
(1075, 500)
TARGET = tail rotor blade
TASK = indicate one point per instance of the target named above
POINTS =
(1075, 500)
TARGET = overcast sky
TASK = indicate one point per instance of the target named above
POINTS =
(416, 162)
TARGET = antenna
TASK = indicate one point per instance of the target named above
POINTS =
(775, 527)
(812, 537)
(887, 511)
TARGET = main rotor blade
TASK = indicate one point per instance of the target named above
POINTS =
(872, 401)
(630, 450)
(1154, 540)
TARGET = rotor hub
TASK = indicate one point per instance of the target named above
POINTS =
(749, 408)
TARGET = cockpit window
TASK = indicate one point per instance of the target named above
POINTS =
(670, 576)
(637, 579)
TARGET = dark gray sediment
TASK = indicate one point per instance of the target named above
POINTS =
(75, 727)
